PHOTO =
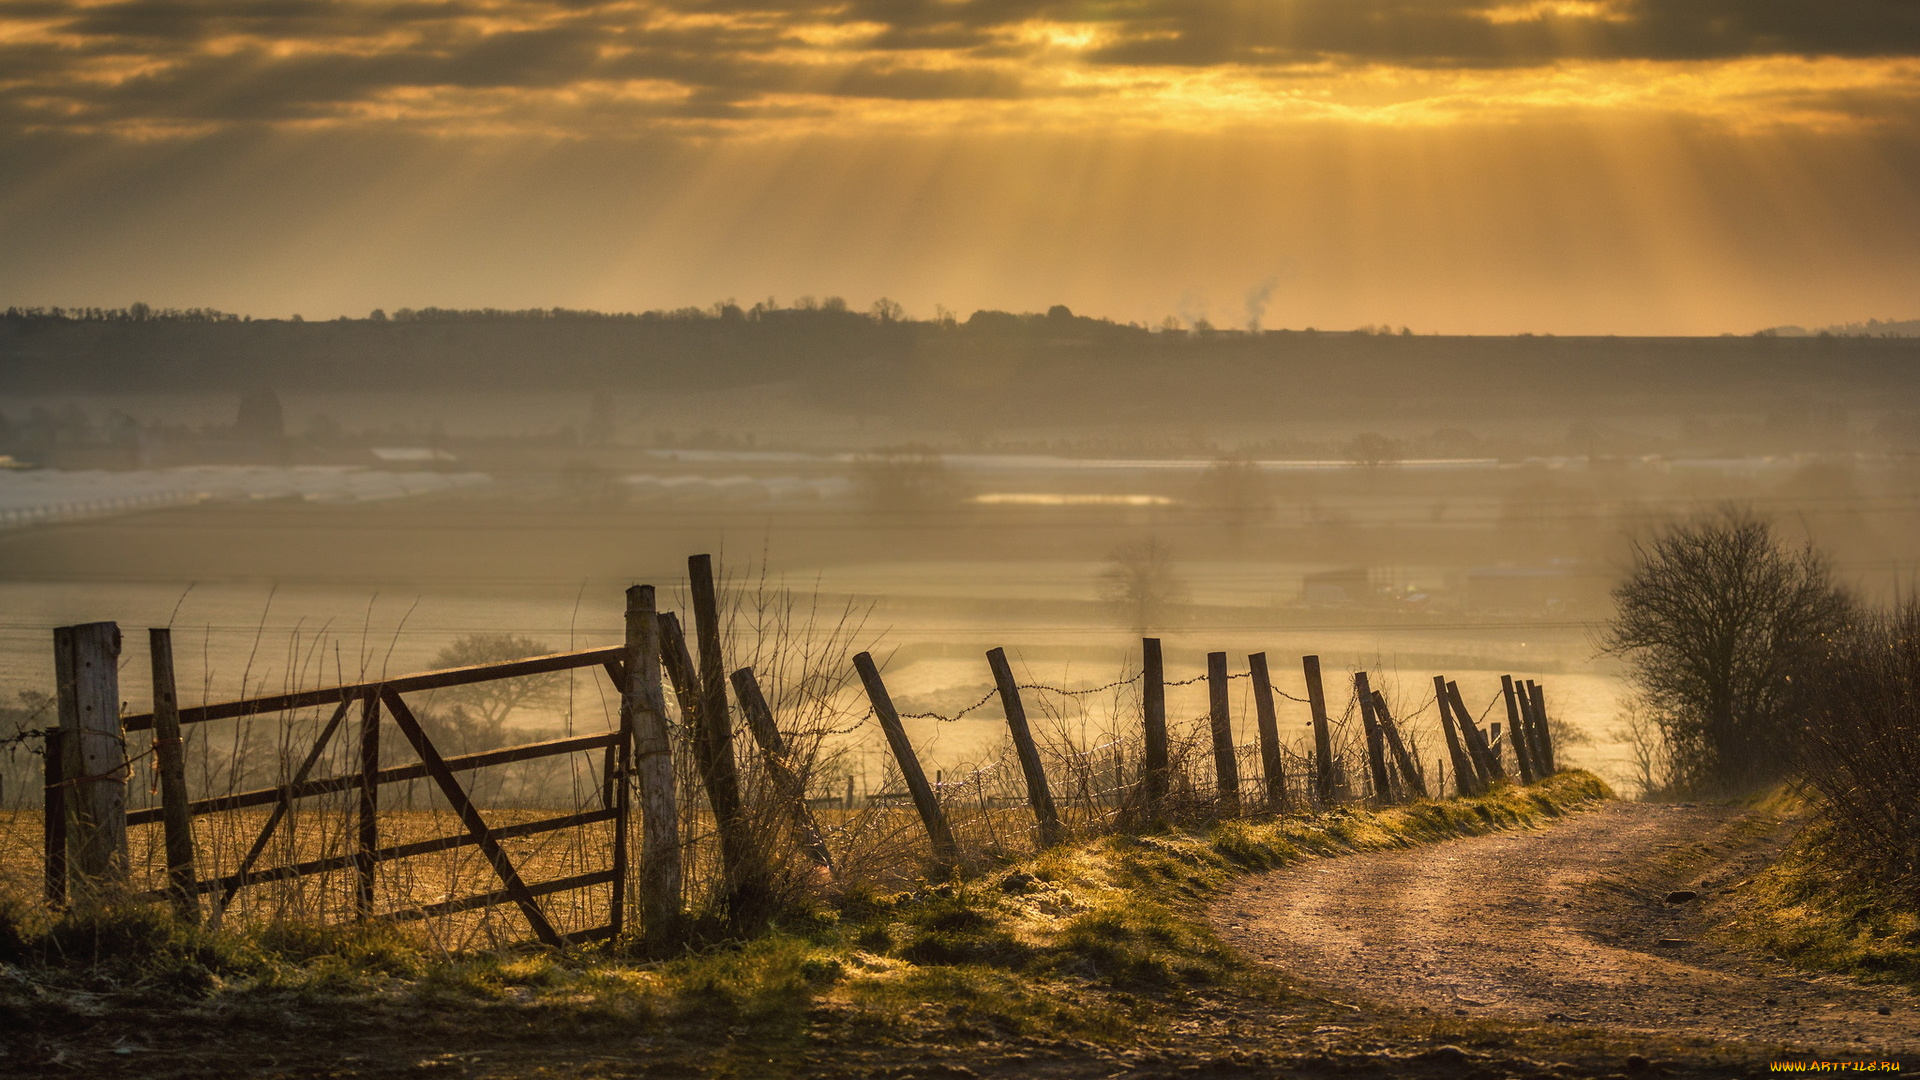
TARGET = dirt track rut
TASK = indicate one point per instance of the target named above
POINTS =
(1567, 923)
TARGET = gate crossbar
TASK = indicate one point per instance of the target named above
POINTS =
(612, 658)
(417, 771)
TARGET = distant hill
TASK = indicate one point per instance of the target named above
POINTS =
(993, 368)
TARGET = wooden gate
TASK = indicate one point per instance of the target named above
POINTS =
(383, 704)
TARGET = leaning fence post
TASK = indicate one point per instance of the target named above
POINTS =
(1271, 764)
(1521, 732)
(715, 760)
(1537, 696)
(1409, 771)
(773, 749)
(1485, 765)
(54, 820)
(1226, 769)
(1158, 766)
(86, 662)
(1464, 781)
(946, 853)
(170, 754)
(1376, 743)
(1044, 814)
(1322, 738)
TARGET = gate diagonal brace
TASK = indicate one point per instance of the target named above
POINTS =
(470, 817)
(280, 809)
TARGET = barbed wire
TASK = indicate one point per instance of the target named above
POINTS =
(24, 737)
(1047, 688)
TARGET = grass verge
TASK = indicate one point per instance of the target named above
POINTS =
(1090, 941)
(1807, 909)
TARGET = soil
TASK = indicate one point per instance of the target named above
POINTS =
(1569, 924)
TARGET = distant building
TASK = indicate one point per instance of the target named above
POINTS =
(1349, 585)
(1520, 588)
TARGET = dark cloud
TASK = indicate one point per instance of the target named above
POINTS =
(199, 62)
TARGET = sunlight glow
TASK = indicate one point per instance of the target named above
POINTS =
(1035, 498)
(1540, 10)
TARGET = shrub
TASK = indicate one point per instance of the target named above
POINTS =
(1860, 749)
(1718, 619)
(144, 942)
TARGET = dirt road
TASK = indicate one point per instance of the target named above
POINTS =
(1568, 923)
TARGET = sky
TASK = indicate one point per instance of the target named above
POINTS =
(1454, 166)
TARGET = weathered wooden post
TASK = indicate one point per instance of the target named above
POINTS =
(946, 853)
(1322, 738)
(1226, 769)
(773, 750)
(1271, 763)
(1158, 766)
(1537, 697)
(1485, 764)
(714, 756)
(1376, 743)
(170, 754)
(1522, 732)
(716, 723)
(54, 820)
(645, 705)
(1051, 831)
(1409, 772)
(1464, 782)
(1539, 740)
(86, 666)
(369, 806)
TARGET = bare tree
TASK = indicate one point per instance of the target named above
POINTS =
(490, 703)
(1235, 492)
(1718, 619)
(1373, 449)
(907, 480)
(1142, 584)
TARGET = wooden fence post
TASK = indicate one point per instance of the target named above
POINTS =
(946, 853)
(646, 707)
(1464, 781)
(716, 724)
(773, 749)
(1537, 697)
(369, 804)
(1226, 768)
(1322, 738)
(54, 820)
(1271, 764)
(1409, 771)
(1485, 765)
(716, 766)
(1376, 743)
(170, 754)
(1520, 732)
(88, 681)
(1153, 705)
(1044, 814)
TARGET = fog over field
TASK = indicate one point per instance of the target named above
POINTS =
(301, 535)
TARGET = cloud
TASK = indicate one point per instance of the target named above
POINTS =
(601, 66)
